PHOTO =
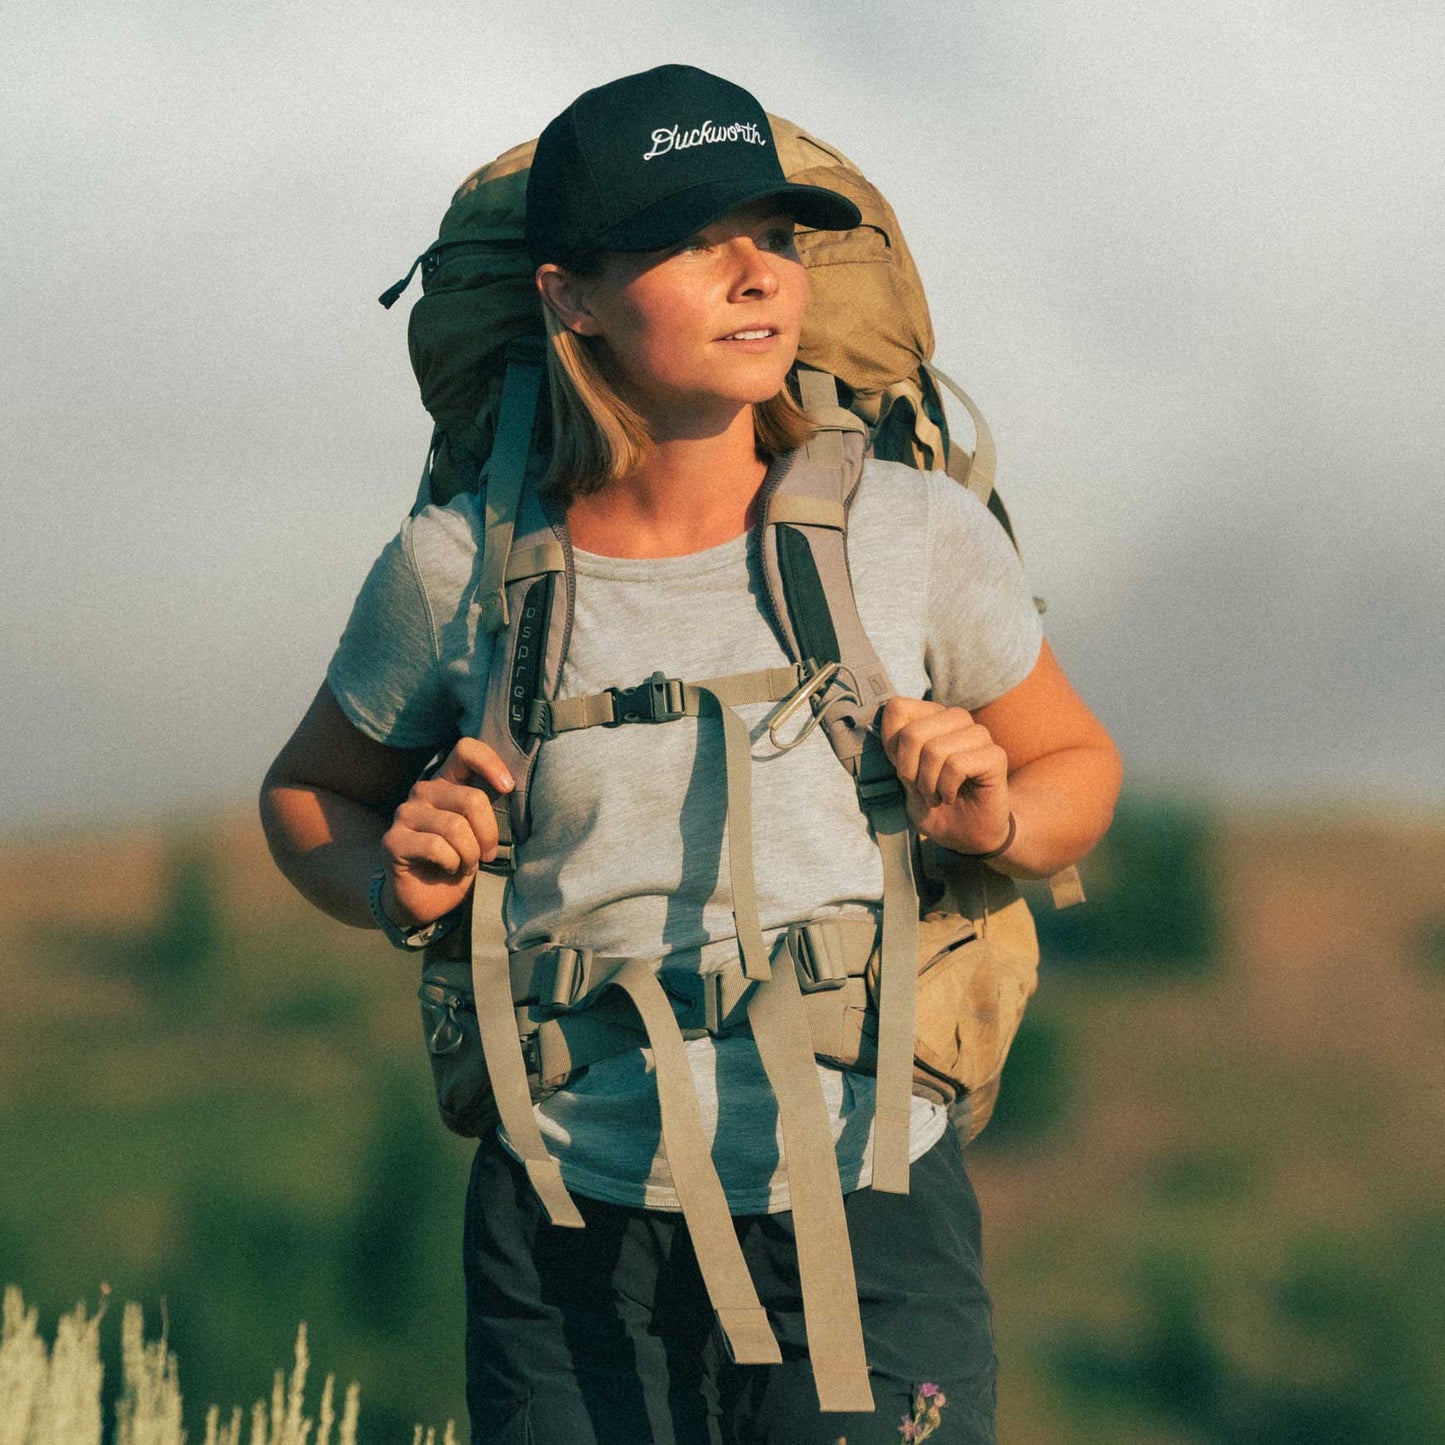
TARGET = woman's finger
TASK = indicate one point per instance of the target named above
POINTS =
(980, 764)
(471, 803)
(456, 828)
(407, 850)
(470, 760)
(913, 736)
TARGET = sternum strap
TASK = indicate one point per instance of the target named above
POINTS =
(663, 699)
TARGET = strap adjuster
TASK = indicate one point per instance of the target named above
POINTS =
(659, 699)
(817, 956)
(571, 975)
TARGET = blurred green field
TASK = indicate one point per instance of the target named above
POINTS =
(1214, 1193)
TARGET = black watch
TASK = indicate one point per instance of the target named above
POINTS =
(418, 935)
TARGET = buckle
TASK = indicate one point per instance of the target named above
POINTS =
(571, 969)
(659, 699)
(817, 957)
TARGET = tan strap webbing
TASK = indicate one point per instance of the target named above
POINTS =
(808, 512)
(832, 417)
(502, 1049)
(983, 469)
(819, 394)
(883, 803)
(768, 684)
(507, 468)
(743, 1321)
(738, 775)
(715, 698)
(533, 561)
(1066, 887)
(825, 1260)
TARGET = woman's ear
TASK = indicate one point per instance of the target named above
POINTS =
(566, 296)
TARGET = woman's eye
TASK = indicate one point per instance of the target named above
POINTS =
(780, 238)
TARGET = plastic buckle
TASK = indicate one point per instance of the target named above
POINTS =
(712, 1003)
(659, 699)
(817, 958)
(571, 968)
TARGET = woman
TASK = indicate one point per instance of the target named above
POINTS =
(662, 230)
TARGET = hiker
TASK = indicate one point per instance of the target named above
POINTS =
(661, 228)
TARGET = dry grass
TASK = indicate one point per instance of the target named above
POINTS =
(51, 1395)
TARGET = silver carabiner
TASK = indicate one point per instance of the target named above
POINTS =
(808, 689)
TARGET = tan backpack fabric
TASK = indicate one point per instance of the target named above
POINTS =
(867, 322)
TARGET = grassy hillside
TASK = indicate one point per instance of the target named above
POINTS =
(1212, 1194)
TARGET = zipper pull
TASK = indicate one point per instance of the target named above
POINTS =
(389, 297)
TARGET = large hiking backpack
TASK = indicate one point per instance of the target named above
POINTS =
(929, 998)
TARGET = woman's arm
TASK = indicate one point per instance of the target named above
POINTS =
(1037, 752)
(337, 805)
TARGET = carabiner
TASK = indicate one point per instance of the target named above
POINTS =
(809, 688)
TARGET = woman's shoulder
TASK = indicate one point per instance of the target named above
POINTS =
(444, 538)
(899, 506)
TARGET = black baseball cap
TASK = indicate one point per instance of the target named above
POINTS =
(646, 161)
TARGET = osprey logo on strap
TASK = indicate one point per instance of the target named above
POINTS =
(674, 138)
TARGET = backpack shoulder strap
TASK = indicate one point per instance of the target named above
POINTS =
(804, 521)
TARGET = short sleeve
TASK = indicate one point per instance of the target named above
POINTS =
(385, 673)
(982, 628)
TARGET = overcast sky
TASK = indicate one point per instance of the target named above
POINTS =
(1187, 257)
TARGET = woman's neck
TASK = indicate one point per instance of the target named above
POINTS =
(691, 493)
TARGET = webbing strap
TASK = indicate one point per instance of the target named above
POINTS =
(714, 698)
(819, 394)
(982, 470)
(825, 1261)
(883, 802)
(502, 1049)
(738, 772)
(599, 709)
(743, 1321)
(506, 471)
(808, 512)
(533, 561)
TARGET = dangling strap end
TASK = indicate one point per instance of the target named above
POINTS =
(841, 1390)
(545, 1177)
(890, 1151)
(754, 957)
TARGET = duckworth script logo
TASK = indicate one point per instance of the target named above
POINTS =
(674, 138)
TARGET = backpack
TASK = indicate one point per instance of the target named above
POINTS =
(929, 999)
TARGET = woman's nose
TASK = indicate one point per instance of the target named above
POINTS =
(757, 275)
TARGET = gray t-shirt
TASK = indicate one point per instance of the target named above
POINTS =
(627, 852)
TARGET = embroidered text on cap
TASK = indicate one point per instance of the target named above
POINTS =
(667, 138)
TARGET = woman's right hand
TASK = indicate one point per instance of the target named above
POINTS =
(441, 834)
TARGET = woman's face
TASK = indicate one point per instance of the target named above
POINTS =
(702, 327)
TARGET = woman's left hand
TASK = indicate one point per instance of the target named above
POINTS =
(954, 776)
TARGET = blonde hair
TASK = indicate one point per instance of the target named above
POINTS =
(597, 438)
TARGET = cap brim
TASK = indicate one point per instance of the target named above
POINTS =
(684, 213)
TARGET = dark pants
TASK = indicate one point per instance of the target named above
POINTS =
(603, 1335)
